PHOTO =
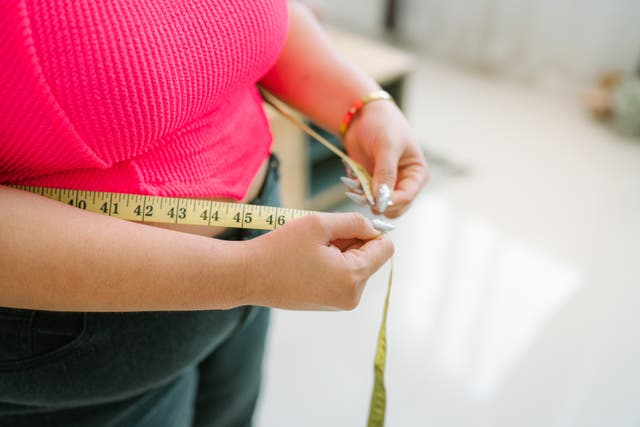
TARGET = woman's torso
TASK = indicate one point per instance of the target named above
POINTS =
(142, 97)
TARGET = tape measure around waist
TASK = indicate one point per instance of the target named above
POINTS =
(172, 210)
(182, 210)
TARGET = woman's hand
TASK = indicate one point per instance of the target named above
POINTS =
(317, 262)
(324, 85)
(380, 139)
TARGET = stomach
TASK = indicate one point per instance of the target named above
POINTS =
(252, 193)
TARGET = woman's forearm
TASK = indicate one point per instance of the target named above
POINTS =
(312, 76)
(56, 257)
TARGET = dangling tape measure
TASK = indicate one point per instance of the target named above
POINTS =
(182, 210)
(378, 405)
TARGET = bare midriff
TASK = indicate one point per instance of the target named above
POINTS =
(254, 191)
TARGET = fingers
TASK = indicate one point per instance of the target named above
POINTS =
(356, 193)
(358, 199)
(350, 225)
(368, 258)
(352, 184)
(346, 244)
(384, 177)
(411, 180)
(404, 194)
(381, 225)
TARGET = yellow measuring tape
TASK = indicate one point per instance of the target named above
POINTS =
(378, 406)
(172, 210)
(182, 210)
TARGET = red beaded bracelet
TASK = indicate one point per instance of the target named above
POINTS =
(373, 96)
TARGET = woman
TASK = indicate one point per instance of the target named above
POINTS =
(108, 322)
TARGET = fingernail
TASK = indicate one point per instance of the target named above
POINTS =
(380, 225)
(353, 184)
(357, 198)
(390, 202)
(383, 194)
(348, 169)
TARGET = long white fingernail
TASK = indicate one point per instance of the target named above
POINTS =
(380, 225)
(353, 184)
(383, 194)
(357, 198)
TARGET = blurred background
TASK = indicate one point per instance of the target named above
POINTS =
(516, 296)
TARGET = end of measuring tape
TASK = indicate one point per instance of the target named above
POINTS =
(378, 406)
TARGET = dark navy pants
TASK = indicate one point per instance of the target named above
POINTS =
(143, 369)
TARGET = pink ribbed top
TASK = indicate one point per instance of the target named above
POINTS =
(150, 97)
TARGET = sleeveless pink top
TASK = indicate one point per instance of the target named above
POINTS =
(150, 97)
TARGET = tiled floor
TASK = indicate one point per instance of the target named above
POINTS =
(517, 285)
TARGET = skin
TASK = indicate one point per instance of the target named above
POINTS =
(88, 262)
(324, 86)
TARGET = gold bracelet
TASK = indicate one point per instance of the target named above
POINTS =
(378, 95)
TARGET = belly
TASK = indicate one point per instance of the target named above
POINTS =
(254, 191)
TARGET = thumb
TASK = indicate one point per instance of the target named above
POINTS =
(351, 225)
(385, 173)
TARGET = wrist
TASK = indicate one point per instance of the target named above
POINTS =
(376, 115)
(224, 280)
(361, 104)
(251, 278)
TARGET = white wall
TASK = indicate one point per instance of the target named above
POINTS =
(557, 42)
